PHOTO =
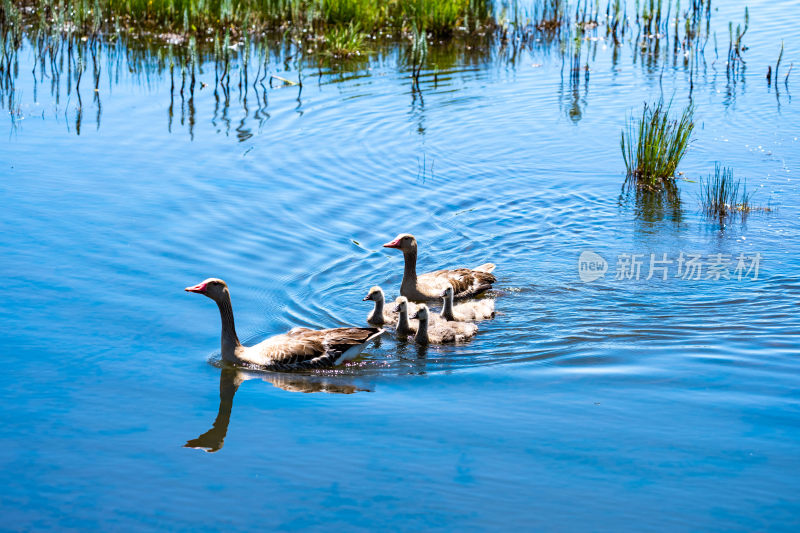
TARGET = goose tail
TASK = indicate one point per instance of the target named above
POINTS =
(486, 267)
(377, 333)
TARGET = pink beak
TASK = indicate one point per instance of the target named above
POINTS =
(199, 288)
(394, 244)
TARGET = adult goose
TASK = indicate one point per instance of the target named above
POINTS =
(441, 331)
(300, 348)
(466, 311)
(382, 314)
(466, 281)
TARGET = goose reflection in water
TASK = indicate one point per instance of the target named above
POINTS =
(231, 377)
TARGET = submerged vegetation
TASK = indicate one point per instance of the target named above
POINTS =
(653, 145)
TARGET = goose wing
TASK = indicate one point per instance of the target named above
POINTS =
(465, 281)
(293, 349)
(304, 348)
(339, 340)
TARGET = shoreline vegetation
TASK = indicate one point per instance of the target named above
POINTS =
(337, 30)
(177, 22)
(253, 43)
(653, 27)
(185, 35)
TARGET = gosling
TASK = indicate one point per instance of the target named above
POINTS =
(441, 331)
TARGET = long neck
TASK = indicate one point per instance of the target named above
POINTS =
(402, 321)
(422, 332)
(447, 309)
(378, 312)
(410, 270)
(229, 339)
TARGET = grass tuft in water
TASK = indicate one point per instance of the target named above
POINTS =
(653, 145)
(344, 41)
(721, 198)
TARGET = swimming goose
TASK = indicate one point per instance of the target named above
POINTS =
(382, 314)
(405, 327)
(300, 348)
(466, 282)
(441, 331)
(466, 311)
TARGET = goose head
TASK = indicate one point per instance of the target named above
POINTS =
(421, 314)
(448, 292)
(214, 288)
(405, 242)
(401, 305)
(375, 294)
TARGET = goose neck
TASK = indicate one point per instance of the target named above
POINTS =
(378, 307)
(410, 270)
(230, 341)
(447, 308)
(422, 332)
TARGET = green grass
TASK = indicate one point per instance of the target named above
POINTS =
(720, 194)
(344, 41)
(369, 13)
(438, 17)
(653, 145)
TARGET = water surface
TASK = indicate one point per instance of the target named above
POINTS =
(607, 405)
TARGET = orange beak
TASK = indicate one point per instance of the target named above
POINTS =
(200, 288)
(394, 244)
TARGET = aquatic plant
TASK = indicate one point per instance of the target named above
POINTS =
(366, 13)
(735, 46)
(615, 20)
(720, 194)
(653, 145)
(417, 54)
(344, 41)
(550, 15)
(777, 66)
(439, 17)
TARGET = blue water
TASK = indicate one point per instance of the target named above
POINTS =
(604, 405)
